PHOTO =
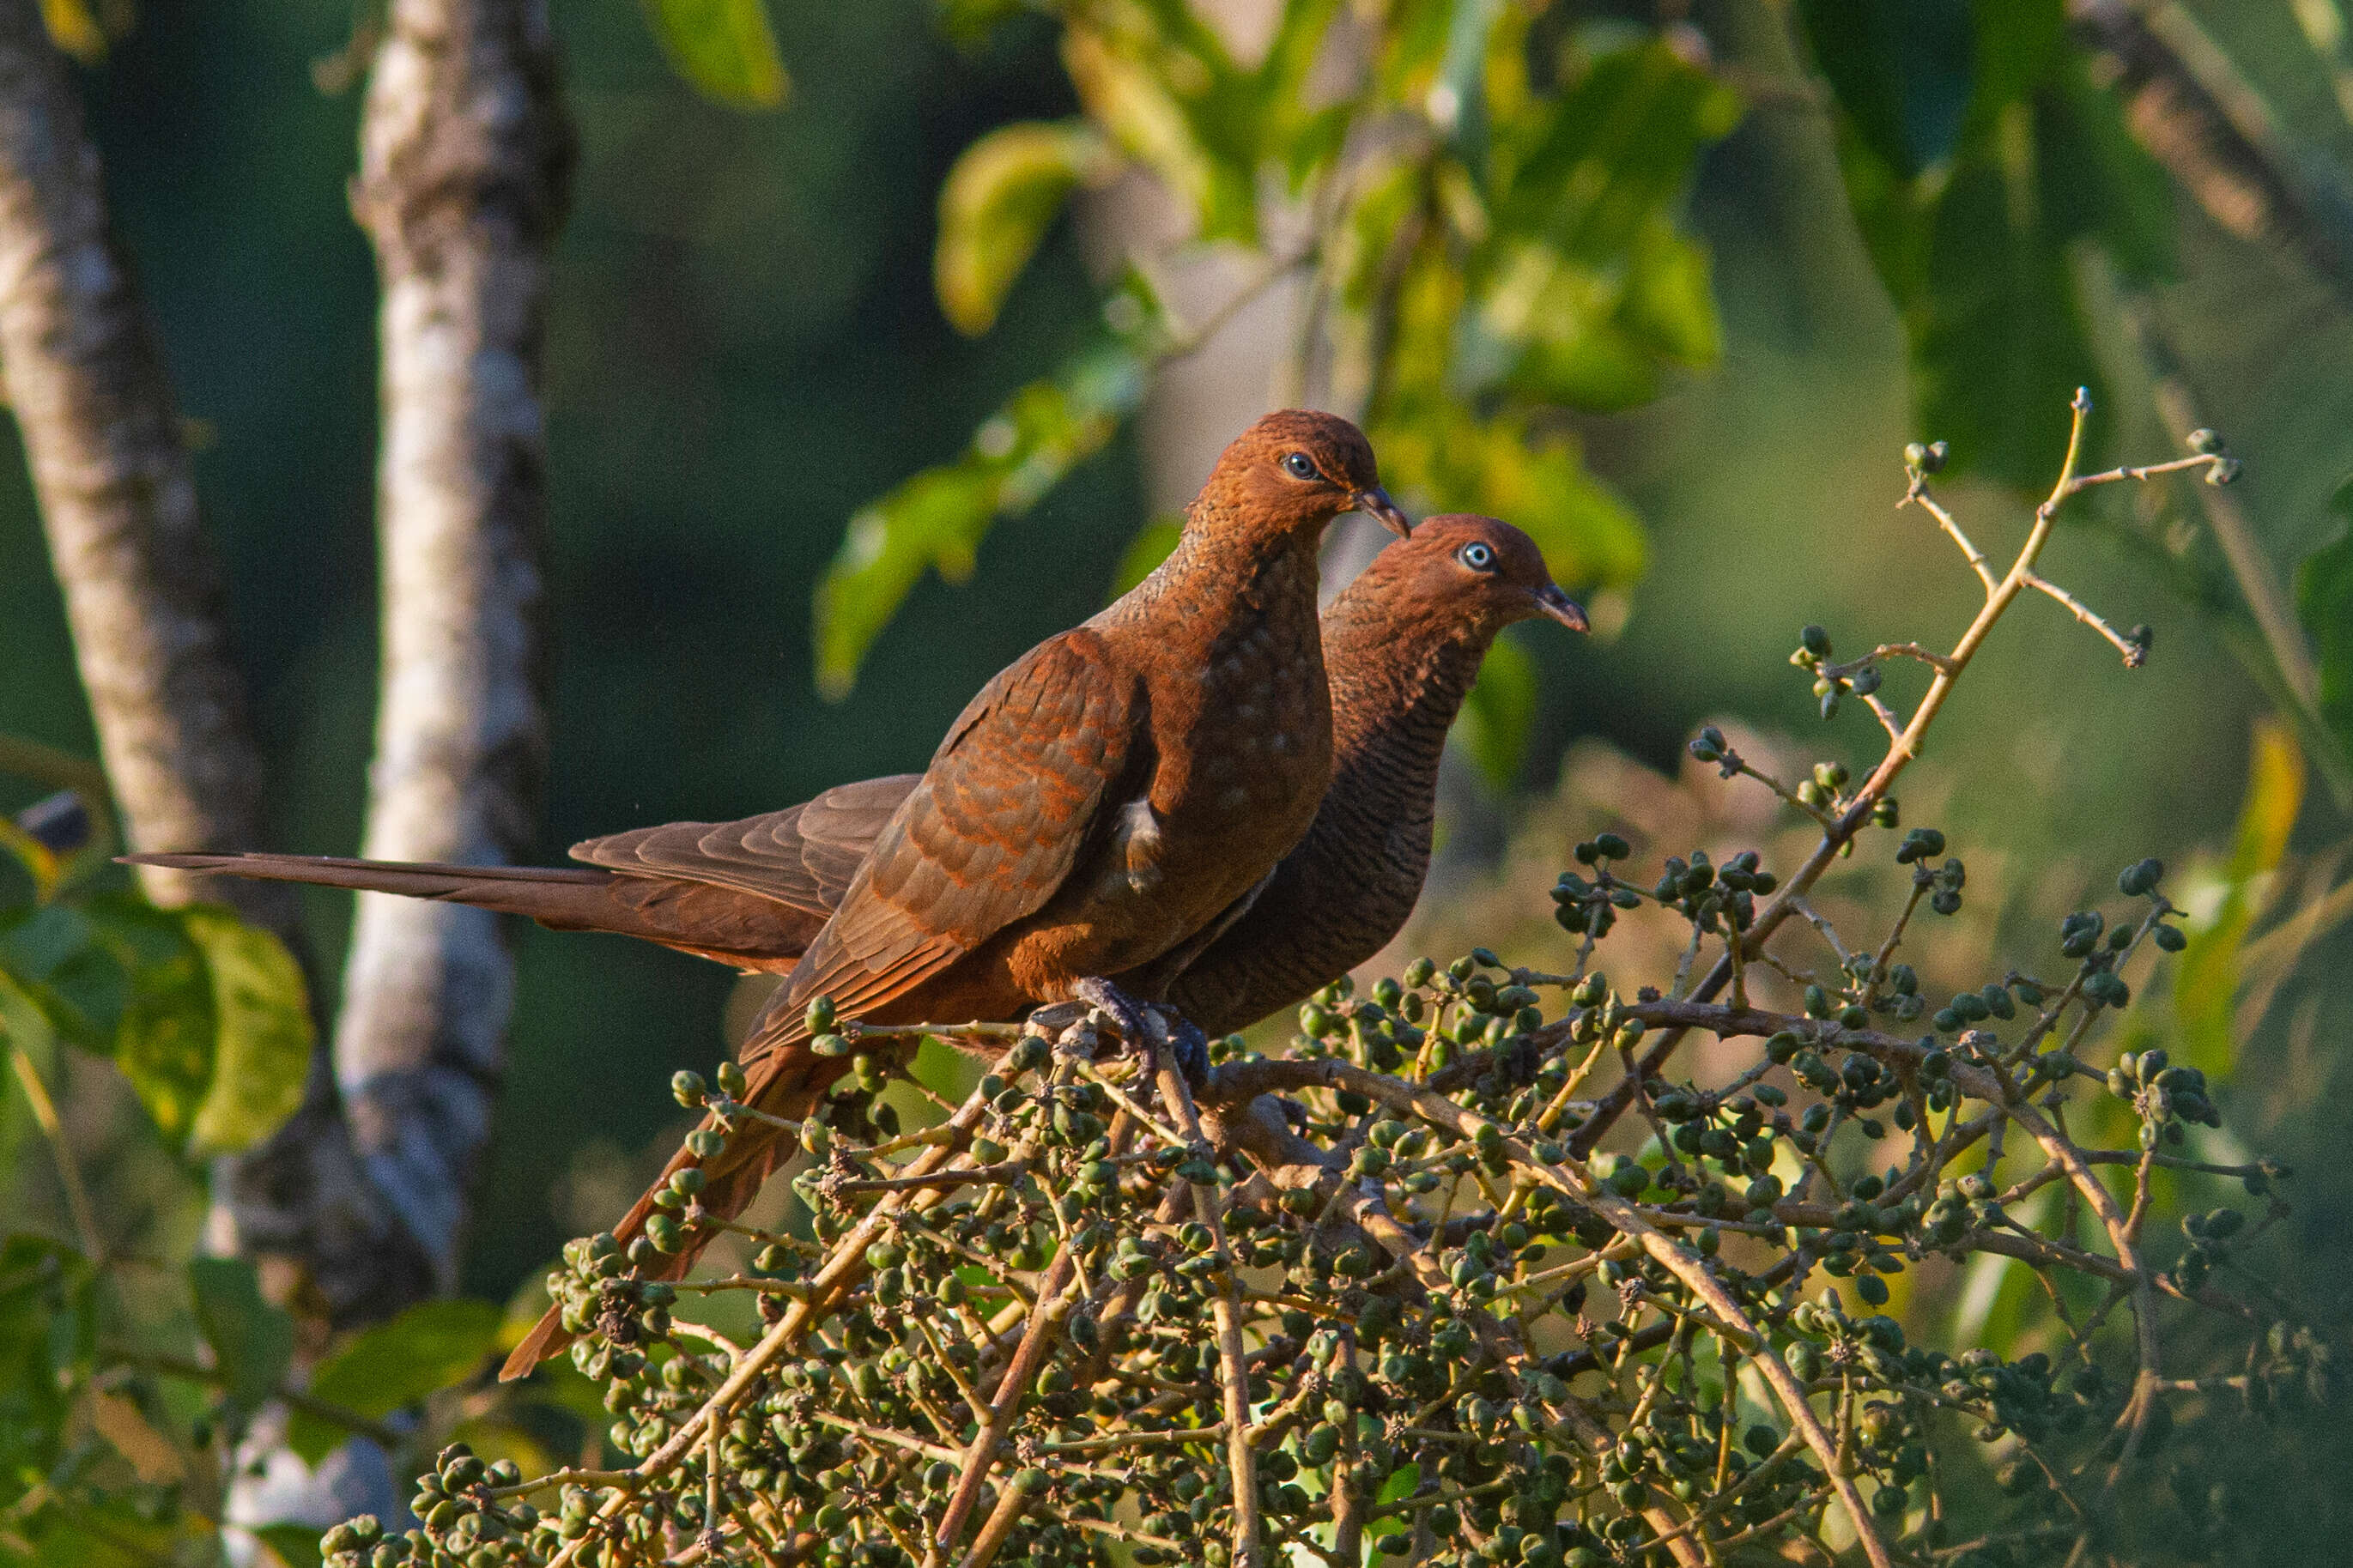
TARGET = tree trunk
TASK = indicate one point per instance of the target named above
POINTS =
(84, 376)
(464, 154)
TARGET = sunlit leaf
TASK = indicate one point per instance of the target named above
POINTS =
(1128, 98)
(430, 1346)
(2206, 979)
(1498, 714)
(725, 48)
(937, 519)
(1147, 551)
(997, 204)
(261, 1014)
(252, 1342)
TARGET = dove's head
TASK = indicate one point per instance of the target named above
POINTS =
(1465, 574)
(1297, 470)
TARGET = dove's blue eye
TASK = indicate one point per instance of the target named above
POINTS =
(1476, 556)
(1298, 466)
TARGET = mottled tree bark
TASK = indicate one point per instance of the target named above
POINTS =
(464, 155)
(85, 377)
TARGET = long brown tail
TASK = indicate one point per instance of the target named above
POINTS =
(789, 1085)
(723, 923)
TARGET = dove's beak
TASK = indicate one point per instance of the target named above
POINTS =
(1552, 602)
(1376, 503)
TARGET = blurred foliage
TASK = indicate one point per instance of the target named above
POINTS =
(1482, 203)
(204, 1015)
(129, 1376)
(725, 48)
(2016, 223)
(1978, 156)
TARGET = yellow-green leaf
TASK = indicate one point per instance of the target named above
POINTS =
(936, 518)
(261, 1019)
(725, 48)
(74, 29)
(997, 203)
(2206, 984)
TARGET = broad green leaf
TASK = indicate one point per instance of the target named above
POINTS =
(1973, 224)
(725, 48)
(261, 1014)
(937, 519)
(1150, 547)
(1900, 69)
(2324, 602)
(296, 1545)
(1498, 713)
(430, 1346)
(997, 203)
(51, 955)
(1399, 1485)
(165, 1042)
(251, 1341)
(2205, 979)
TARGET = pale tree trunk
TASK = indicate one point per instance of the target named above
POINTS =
(86, 380)
(464, 154)
(143, 594)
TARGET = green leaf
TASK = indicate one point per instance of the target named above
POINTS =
(252, 1342)
(261, 1014)
(52, 956)
(1498, 714)
(1399, 1485)
(1147, 551)
(430, 1346)
(937, 519)
(1975, 233)
(997, 204)
(169, 1030)
(1900, 69)
(296, 1545)
(725, 48)
(2205, 979)
(2324, 602)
